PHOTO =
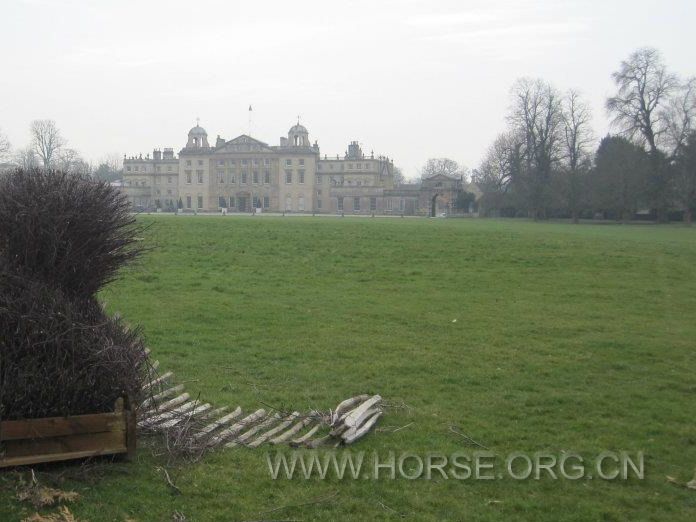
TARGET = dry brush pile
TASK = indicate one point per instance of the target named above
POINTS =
(62, 238)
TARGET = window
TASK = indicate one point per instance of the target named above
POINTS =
(233, 179)
(188, 163)
(319, 166)
(319, 204)
(266, 161)
(158, 169)
(301, 174)
(221, 162)
(288, 202)
(200, 162)
(318, 192)
(317, 180)
(300, 203)
(301, 162)
(200, 201)
(256, 202)
(367, 166)
(401, 204)
(221, 176)
(266, 202)
(128, 169)
(188, 177)
(169, 180)
(256, 177)
(169, 192)
(244, 177)
(356, 203)
(389, 204)
(358, 166)
(188, 201)
(266, 176)
(169, 168)
(222, 202)
(288, 163)
(256, 162)
(199, 175)
(231, 162)
(245, 162)
(288, 176)
(350, 166)
(373, 204)
(136, 169)
(231, 201)
(330, 166)
(340, 203)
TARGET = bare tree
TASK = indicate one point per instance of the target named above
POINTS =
(5, 146)
(442, 166)
(399, 178)
(46, 140)
(644, 86)
(26, 158)
(499, 171)
(577, 142)
(639, 112)
(680, 117)
(536, 114)
(70, 160)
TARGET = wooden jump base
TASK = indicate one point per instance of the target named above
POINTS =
(33, 441)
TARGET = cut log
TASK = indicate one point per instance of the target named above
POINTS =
(222, 421)
(292, 431)
(176, 401)
(356, 417)
(178, 419)
(280, 427)
(269, 421)
(153, 384)
(318, 442)
(353, 434)
(347, 405)
(237, 427)
(162, 395)
(301, 440)
(156, 419)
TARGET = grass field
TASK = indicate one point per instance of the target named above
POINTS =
(577, 338)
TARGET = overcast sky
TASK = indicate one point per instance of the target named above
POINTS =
(411, 79)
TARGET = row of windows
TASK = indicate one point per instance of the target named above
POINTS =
(373, 203)
(244, 177)
(358, 166)
(143, 168)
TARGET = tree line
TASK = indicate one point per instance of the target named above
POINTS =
(48, 149)
(547, 162)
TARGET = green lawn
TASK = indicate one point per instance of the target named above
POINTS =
(578, 338)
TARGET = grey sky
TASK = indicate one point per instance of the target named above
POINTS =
(411, 79)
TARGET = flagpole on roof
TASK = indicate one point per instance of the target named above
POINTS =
(250, 111)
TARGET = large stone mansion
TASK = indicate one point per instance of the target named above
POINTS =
(245, 174)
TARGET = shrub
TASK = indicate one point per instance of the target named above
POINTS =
(62, 237)
(65, 229)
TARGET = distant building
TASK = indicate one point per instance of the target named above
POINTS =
(244, 173)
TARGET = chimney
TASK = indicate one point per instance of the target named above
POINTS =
(156, 154)
(168, 153)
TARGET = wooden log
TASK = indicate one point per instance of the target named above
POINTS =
(292, 431)
(176, 401)
(156, 419)
(162, 395)
(178, 419)
(354, 434)
(158, 381)
(301, 440)
(219, 423)
(244, 437)
(237, 427)
(347, 405)
(357, 416)
(280, 427)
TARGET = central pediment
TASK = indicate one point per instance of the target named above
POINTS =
(243, 143)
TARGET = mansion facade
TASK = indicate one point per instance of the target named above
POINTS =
(245, 174)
